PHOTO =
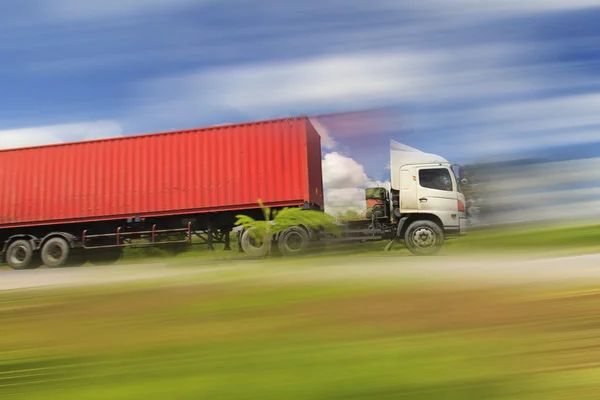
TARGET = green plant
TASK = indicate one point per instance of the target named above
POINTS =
(284, 219)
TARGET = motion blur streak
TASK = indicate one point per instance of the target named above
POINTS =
(299, 332)
(508, 89)
(520, 192)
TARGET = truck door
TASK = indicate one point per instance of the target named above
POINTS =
(437, 194)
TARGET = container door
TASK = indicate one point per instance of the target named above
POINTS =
(437, 194)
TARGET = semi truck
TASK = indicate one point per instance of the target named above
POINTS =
(425, 206)
(69, 203)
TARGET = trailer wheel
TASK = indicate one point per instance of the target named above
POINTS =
(424, 238)
(293, 241)
(55, 252)
(19, 255)
(255, 248)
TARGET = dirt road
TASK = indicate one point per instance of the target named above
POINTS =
(489, 270)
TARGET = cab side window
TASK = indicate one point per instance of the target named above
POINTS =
(436, 178)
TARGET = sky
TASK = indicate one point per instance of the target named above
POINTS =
(467, 79)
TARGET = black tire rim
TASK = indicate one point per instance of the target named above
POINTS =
(55, 253)
(294, 241)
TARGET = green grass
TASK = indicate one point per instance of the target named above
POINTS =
(550, 239)
(230, 339)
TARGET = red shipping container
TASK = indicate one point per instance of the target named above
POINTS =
(195, 171)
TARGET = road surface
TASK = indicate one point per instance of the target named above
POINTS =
(475, 270)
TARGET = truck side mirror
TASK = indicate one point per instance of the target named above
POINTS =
(464, 181)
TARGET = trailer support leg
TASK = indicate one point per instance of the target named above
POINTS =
(210, 237)
(227, 240)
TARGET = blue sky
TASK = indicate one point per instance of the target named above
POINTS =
(468, 79)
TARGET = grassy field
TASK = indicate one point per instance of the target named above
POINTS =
(265, 334)
(541, 239)
(262, 338)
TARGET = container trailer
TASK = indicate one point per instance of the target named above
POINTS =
(97, 197)
(73, 202)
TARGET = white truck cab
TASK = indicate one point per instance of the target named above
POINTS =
(425, 188)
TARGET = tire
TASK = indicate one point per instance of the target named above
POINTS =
(249, 245)
(55, 252)
(293, 241)
(424, 238)
(19, 255)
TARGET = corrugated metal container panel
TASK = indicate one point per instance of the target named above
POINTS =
(204, 170)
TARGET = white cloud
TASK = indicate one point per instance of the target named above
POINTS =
(326, 140)
(341, 172)
(338, 201)
(345, 181)
(335, 82)
(276, 88)
(51, 134)
(84, 10)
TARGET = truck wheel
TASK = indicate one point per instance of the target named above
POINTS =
(424, 238)
(55, 252)
(19, 255)
(293, 240)
(253, 247)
